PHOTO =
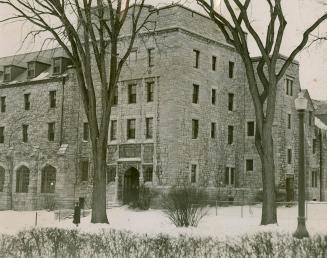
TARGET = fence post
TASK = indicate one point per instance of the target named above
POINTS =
(216, 208)
(35, 219)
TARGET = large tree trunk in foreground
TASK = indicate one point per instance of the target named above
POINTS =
(269, 210)
(99, 203)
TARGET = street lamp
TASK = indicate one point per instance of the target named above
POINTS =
(301, 231)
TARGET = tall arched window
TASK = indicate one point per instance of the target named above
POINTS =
(22, 179)
(48, 181)
(2, 178)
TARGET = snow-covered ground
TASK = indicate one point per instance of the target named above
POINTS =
(227, 223)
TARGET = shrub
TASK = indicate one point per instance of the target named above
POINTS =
(185, 206)
(143, 200)
(52, 242)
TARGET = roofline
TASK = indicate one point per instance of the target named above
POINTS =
(280, 56)
(22, 83)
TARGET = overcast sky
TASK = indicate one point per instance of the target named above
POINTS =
(299, 15)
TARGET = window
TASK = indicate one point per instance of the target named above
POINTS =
(113, 130)
(197, 58)
(193, 173)
(195, 96)
(2, 178)
(57, 66)
(84, 170)
(31, 70)
(131, 129)
(111, 174)
(195, 128)
(147, 173)
(7, 74)
(27, 104)
(51, 131)
(310, 118)
(115, 102)
(132, 58)
(3, 104)
(214, 60)
(250, 128)
(289, 121)
(48, 180)
(52, 98)
(2, 134)
(289, 156)
(149, 91)
(213, 130)
(86, 131)
(289, 87)
(230, 101)
(132, 93)
(249, 165)
(314, 145)
(230, 134)
(231, 69)
(149, 127)
(22, 179)
(150, 57)
(213, 96)
(314, 178)
(229, 176)
(25, 133)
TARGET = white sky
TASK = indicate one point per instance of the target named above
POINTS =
(299, 14)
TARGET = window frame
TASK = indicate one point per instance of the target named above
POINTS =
(3, 104)
(213, 131)
(25, 133)
(113, 130)
(231, 98)
(150, 57)
(194, 173)
(249, 161)
(197, 58)
(7, 73)
(149, 91)
(27, 102)
(55, 60)
(51, 131)
(22, 179)
(84, 170)
(149, 127)
(131, 132)
(53, 98)
(132, 93)
(289, 156)
(213, 96)
(195, 129)
(250, 133)
(2, 134)
(230, 176)
(213, 63)
(31, 70)
(230, 134)
(195, 93)
(231, 69)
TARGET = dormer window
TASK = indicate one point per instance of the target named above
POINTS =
(31, 70)
(57, 66)
(7, 74)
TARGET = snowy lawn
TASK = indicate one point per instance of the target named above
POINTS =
(227, 223)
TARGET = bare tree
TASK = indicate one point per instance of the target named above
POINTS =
(262, 77)
(90, 33)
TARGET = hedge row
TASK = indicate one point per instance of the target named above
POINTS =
(54, 242)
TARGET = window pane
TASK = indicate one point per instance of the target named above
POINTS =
(213, 96)
(2, 134)
(230, 101)
(132, 93)
(214, 60)
(149, 128)
(230, 134)
(231, 69)
(3, 104)
(52, 95)
(195, 96)
(250, 129)
(197, 57)
(84, 170)
(150, 91)
(51, 131)
(131, 129)
(195, 128)
(113, 130)
(193, 173)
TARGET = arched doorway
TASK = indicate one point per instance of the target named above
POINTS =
(131, 185)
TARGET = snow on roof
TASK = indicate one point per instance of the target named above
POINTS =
(320, 124)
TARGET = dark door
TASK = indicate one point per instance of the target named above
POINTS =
(131, 185)
(289, 189)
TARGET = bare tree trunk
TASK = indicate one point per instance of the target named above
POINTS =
(269, 212)
(99, 202)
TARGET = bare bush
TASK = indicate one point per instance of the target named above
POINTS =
(185, 205)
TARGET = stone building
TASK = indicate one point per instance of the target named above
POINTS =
(183, 113)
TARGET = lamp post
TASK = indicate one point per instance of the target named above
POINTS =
(301, 231)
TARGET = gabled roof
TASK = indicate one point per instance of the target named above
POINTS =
(307, 96)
